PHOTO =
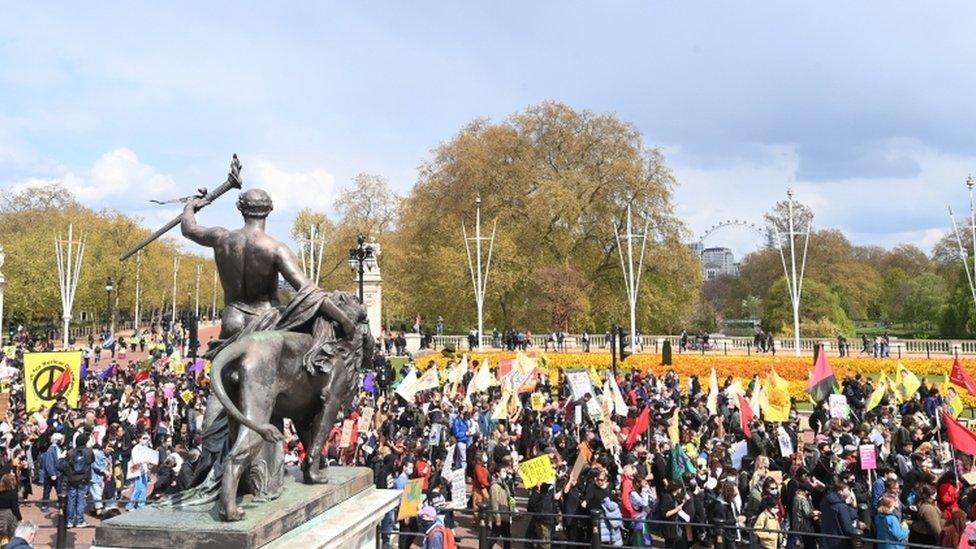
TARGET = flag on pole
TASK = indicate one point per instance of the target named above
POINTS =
(643, 420)
(960, 437)
(674, 428)
(712, 402)
(879, 392)
(961, 377)
(822, 381)
(481, 380)
(775, 399)
(429, 380)
(951, 398)
(619, 405)
(107, 372)
(407, 387)
(906, 383)
(755, 400)
(745, 416)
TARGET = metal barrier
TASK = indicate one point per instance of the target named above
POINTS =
(487, 540)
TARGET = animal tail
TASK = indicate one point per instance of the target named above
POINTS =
(224, 358)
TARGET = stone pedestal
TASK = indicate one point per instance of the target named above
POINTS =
(347, 509)
(373, 295)
(413, 342)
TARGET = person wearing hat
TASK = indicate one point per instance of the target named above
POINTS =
(436, 535)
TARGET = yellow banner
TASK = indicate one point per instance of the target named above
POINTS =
(50, 376)
(410, 499)
(537, 471)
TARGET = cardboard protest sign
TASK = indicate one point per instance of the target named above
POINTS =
(365, 419)
(607, 436)
(537, 471)
(345, 440)
(4, 404)
(538, 402)
(410, 499)
(582, 459)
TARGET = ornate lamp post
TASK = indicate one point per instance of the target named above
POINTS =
(108, 304)
(361, 259)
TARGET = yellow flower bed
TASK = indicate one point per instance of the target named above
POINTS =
(793, 369)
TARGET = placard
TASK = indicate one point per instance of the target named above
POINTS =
(366, 419)
(785, 444)
(738, 451)
(537, 471)
(435, 434)
(869, 457)
(607, 436)
(187, 397)
(582, 459)
(838, 406)
(346, 438)
(538, 402)
(459, 494)
(144, 454)
(410, 499)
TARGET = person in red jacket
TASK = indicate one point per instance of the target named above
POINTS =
(626, 487)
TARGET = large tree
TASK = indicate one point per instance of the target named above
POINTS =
(558, 183)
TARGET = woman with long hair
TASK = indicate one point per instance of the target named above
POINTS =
(9, 506)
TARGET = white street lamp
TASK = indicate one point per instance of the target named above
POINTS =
(794, 284)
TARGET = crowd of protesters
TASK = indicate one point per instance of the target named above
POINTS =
(673, 471)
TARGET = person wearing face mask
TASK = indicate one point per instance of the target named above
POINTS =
(406, 525)
(502, 509)
(436, 535)
(767, 524)
(480, 483)
(670, 509)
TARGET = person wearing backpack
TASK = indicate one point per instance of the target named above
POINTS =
(437, 536)
(78, 471)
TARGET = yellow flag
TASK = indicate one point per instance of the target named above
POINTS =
(501, 409)
(734, 391)
(906, 383)
(879, 392)
(594, 376)
(951, 397)
(775, 398)
(712, 402)
(674, 430)
(457, 373)
(50, 376)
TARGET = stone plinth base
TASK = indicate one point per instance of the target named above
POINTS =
(350, 525)
(199, 527)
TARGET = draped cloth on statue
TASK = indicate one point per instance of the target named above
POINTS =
(301, 314)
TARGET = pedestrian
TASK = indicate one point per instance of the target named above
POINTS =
(77, 469)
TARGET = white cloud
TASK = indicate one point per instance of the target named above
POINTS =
(119, 171)
(295, 190)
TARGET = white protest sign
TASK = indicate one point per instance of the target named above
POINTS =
(144, 454)
(838, 406)
(785, 444)
(459, 494)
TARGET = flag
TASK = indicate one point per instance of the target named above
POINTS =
(175, 357)
(429, 380)
(407, 387)
(712, 402)
(961, 377)
(906, 383)
(108, 342)
(84, 369)
(755, 400)
(457, 373)
(775, 399)
(619, 405)
(674, 428)
(197, 365)
(878, 393)
(745, 416)
(141, 375)
(107, 372)
(368, 384)
(951, 398)
(501, 409)
(822, 381)
(643, 420)
(734, 391)
(960, 437)
(481, 380)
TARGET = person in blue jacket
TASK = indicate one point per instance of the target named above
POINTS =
(459, 428)
(49, 470)
(838, 518)
(887, 526)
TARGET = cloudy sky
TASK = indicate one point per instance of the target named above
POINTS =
(865, 108)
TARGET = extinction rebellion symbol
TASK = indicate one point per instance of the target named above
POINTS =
(51, 381)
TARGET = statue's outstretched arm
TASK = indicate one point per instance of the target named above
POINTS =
(204, 236)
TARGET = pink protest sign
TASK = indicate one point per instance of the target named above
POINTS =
(869, 457)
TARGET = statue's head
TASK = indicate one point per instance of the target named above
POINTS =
(255, 203)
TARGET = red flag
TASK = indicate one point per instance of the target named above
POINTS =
(643, 421)
(960, 437)
(62, 383)
(142, 375)
(961, 377)
(745, 416)
(822, 381)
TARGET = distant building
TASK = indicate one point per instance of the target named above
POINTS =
(717, 262)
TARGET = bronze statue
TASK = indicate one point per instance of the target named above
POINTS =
(298, 361)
